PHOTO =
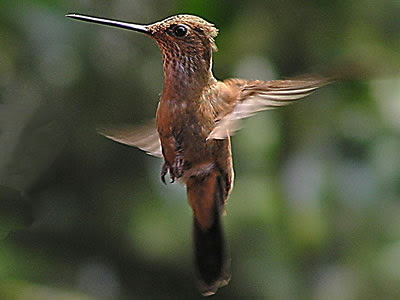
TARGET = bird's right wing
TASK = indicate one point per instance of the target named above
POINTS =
(144, 137)
(255, 96)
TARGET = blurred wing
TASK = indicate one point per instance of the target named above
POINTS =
(258, 96)
(144, 137)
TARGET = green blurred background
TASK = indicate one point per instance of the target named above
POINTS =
(315, 211)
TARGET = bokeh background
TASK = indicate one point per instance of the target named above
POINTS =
(315, 212)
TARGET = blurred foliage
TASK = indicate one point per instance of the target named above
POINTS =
(315, 212)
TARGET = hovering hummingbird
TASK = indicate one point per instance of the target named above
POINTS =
(195, 118)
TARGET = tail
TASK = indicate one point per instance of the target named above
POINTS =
(212, 260)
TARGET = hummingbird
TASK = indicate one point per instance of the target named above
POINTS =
(196, 116)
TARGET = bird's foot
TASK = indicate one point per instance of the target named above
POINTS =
(175, 170)
(164, 171)
(177, 166)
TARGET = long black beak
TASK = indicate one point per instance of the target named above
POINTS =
(110, 22)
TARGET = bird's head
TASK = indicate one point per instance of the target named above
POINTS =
(187, 32)
(186, 41)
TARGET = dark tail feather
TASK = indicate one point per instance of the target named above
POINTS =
(211, 252)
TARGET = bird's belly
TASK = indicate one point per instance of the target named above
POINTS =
(183, 129)
(193, 140)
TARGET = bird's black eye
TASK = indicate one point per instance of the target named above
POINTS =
(180, 31)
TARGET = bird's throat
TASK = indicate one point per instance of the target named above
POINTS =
(186, 77)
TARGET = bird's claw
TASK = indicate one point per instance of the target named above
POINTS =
(177, 166)
(164, 171)
(175, 170)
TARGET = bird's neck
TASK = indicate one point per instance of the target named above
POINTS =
(186, 77)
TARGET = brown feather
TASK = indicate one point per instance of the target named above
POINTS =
(144, 137)
(255, 96)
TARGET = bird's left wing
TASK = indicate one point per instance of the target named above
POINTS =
(144, 137)
(255, 96)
